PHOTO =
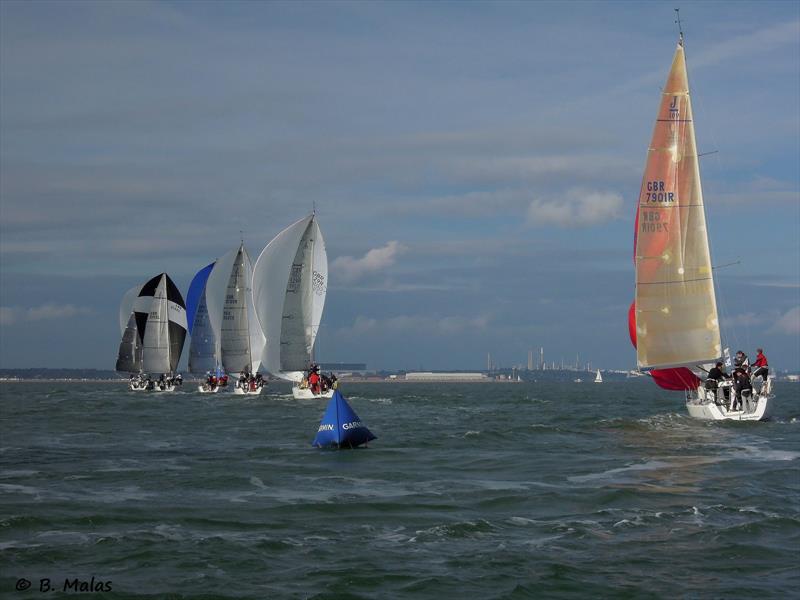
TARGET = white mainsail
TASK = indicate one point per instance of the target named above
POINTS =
(163, 327)
(229, 301)
(676, 310)
(289, 286)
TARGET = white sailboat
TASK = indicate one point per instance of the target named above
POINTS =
(231, 313)
(598, 378)
(289, 288)
(673, 321)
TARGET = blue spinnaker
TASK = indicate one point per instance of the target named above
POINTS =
(196, 289)
(340, 426)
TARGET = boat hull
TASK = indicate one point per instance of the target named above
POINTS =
(306, 394)
(166, 388)
(204, 389)
(243, 392)
(712, 406)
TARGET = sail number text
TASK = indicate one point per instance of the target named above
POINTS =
(650, 222)
(655, 192)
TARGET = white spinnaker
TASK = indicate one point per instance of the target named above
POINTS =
(216, 290)
(285, 296)
(126, 307)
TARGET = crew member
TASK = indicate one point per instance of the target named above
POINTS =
(314, 381)
(761, 365)
(715, 375)
(741, 383)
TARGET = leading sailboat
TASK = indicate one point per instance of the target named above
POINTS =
(290, 281)
(673, 321)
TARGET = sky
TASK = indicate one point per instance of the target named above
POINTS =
(475, 167)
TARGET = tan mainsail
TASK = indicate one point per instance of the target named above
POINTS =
(676, 311)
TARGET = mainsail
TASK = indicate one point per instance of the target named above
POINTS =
(163, 327)
(289, 286)
(675, 308)
(203, 355)
(231, 312)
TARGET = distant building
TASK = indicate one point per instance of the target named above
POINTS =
(429, 376)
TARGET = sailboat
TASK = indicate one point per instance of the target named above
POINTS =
(598, 378)
(289, 288)
(232, 316)
(155, 330)
(204, 356)
(673, 320)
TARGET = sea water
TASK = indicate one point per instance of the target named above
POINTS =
(512, 490)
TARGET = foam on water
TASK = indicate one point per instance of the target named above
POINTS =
(484, 490)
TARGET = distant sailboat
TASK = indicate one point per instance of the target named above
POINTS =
(232, 315)
(203, 350)
(154, 333)
(598, 378)
(289, 288)
(673, 321)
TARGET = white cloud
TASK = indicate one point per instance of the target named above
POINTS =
(745, 320)
(577, 208)
(10, 315)
(377, 259)
(789, 323)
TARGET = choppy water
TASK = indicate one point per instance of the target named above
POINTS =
(481, 491)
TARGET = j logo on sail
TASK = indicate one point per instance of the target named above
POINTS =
(673, 108)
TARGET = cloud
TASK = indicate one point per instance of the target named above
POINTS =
(10, 315)
(377, 259)
(764, 39)
(578, 208)
(789, 323)
(767, 190)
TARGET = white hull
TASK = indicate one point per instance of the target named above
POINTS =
(306, 394)
(204, 389)
(710, 406)
(166, 388)
(242, 392)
